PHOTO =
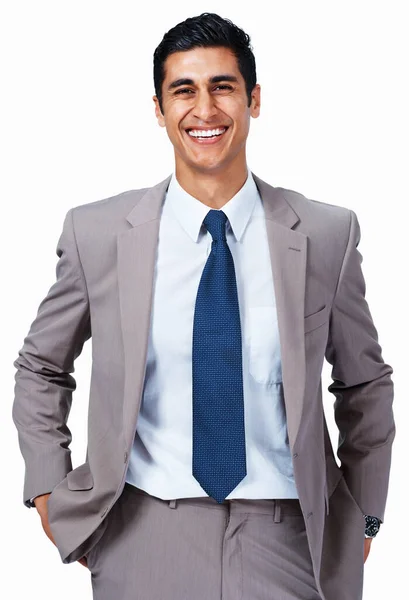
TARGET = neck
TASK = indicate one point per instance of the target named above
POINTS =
(212, 188)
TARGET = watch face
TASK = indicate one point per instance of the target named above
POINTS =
(372, 526)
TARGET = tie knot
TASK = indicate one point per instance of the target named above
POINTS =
(215, 223)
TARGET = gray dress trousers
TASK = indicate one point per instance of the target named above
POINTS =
(197, 549)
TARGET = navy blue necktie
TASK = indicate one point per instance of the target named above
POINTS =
(219, 448)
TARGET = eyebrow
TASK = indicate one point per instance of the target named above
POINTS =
(215, 79)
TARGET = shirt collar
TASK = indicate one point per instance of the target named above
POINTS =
(190, 212)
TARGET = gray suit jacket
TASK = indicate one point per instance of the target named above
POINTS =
(103, 286)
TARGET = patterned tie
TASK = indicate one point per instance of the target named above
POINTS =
(219, 448)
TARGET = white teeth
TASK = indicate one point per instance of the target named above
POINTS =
(209, 133)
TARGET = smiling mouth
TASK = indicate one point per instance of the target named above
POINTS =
(200, 137)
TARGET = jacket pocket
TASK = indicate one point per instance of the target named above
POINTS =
(80, 478)
(316, 319)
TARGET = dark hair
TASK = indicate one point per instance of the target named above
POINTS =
(205, 31)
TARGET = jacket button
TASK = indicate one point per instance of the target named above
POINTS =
(295, 455)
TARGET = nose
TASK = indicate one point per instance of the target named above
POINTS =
(204, 108)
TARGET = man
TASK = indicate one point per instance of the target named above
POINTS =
(212, 299)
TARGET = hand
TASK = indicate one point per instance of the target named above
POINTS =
(42, 509)
(367, 547)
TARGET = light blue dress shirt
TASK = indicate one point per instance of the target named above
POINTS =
(161, 457)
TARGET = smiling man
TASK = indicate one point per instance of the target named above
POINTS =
(212, 299)
(206, 112)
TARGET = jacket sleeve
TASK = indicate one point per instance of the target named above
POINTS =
(362, 386)
(43, 381)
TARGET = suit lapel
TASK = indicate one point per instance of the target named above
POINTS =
(136, 268)
(288, 253)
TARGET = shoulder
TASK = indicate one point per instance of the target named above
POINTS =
(328, 225)
(315, 217)
(97, 224)
(322, 213)
(113, 209)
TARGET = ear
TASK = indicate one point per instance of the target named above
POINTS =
(255, 101)
(158, 112)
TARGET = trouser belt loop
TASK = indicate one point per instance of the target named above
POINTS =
(277, 511)
(172, 503)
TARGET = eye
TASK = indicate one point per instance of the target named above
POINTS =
(183, 90)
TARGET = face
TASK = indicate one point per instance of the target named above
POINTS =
(204, 90)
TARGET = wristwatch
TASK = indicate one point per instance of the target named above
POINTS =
(372, 526)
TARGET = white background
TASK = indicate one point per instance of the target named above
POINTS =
(78, 125)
